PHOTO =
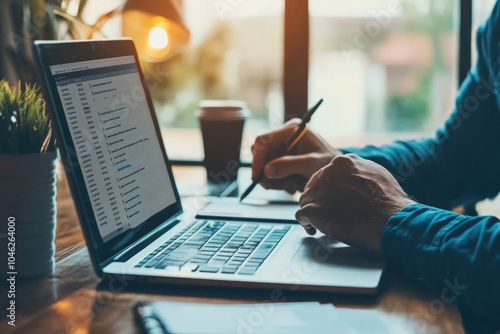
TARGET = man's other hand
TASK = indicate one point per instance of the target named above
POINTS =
(290, 171)
(351, 199)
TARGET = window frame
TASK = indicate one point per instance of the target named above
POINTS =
(464, 40)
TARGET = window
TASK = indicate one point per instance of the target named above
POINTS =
(235, 52)
(383, 66)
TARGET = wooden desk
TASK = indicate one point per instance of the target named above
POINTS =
(73, 300)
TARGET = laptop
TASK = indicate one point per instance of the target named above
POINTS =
(128, 203)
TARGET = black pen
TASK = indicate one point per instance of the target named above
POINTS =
(300, 130)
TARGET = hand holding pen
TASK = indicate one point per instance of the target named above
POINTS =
(273, 165)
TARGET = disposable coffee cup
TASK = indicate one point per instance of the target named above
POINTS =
(221, 123)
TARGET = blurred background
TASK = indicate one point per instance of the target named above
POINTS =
(386, 69)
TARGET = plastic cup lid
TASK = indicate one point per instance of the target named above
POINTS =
(222, 109)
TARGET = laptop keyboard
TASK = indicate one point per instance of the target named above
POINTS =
(215, 246)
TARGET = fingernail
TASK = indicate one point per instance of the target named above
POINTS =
(302, 219)
(306, 221)
(298, 215)
(269, 170)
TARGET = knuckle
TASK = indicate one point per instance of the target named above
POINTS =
(343, 160)
(263, 140)
(259, 138)
(326, 170)
(313, 180)
(293, 122)
(351, 156)
(346, 158)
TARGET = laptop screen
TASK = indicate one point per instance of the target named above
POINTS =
(115, 142)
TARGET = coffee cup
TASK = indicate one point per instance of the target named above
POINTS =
(221, 123)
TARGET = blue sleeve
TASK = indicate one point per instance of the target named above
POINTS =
(460, 254)
(460, 165)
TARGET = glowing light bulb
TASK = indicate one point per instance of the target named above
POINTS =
(158, 38)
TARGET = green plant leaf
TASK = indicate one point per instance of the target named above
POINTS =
(24, 124)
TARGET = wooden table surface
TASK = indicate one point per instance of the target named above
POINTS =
(74, 300)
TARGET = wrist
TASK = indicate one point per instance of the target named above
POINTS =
(390, 211)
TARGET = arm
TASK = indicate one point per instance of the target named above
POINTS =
(360, 203)
(459, 165)
(460, 254)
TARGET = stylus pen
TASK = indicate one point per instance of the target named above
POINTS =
(299, 131)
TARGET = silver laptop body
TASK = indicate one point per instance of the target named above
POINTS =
(128, 204)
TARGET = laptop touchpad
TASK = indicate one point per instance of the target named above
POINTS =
(334, 253)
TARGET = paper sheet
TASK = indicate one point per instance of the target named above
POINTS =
(305, 317)
(250, 209)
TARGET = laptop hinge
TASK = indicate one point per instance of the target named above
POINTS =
(140, 244)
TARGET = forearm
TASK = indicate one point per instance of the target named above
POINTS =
(417, 167)
(458, 166)
(456, 252)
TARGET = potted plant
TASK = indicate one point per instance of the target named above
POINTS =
(27, 182)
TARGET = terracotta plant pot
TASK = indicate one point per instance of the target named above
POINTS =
(27, 213)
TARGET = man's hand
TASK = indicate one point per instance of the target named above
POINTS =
(289, 171)
(351, 199)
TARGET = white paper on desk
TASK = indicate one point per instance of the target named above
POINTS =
(250, 209)
(307, 317)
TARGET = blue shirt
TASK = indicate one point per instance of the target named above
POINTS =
(460, 165)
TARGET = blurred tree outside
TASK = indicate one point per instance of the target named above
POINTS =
(179, 83)
(411, 112)
(235, 57)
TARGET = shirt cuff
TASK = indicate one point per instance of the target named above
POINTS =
(412, 238)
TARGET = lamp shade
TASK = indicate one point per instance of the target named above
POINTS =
(156, 27)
